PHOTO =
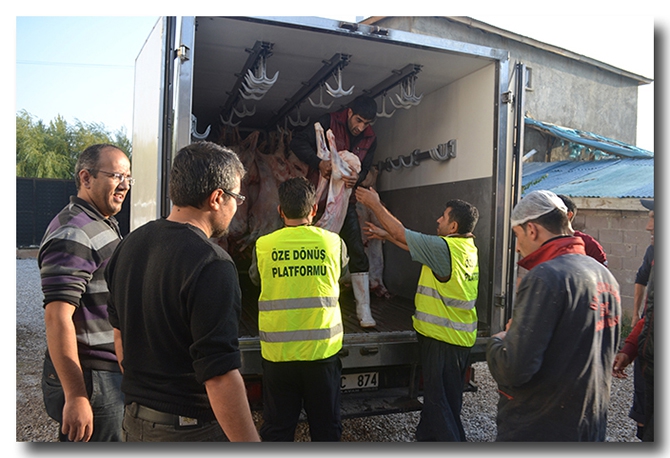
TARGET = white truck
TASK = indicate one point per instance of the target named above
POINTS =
(449, 126)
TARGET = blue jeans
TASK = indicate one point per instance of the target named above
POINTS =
(444, 367)
(104, 392)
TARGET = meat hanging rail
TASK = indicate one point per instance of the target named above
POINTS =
(443, 152)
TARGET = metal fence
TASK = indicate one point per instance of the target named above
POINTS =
(38, 200)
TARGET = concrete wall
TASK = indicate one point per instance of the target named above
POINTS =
(619, 226)
(565, 91)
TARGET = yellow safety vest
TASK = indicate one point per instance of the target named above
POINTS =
(299, 317)
(446, 311)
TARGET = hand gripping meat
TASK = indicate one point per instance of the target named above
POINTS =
(343, 163)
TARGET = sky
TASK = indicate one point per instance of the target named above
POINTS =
(82, 67)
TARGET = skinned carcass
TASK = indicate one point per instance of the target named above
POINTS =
(262, 214)
(343, 163)
(249, 187)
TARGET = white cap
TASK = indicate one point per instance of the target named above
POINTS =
(534, 205)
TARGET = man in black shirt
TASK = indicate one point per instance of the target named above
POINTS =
(175, 305)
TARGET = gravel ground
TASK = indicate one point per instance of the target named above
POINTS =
(479, 409)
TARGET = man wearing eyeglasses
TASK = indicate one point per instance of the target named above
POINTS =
(175, 304)
(81, 379)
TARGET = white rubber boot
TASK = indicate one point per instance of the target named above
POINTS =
(361, 283)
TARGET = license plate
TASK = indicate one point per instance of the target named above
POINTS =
(362, 381)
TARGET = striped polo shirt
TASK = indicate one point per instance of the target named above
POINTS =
(73, 254)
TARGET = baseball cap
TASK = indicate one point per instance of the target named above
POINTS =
(648, 204)
(534, 205)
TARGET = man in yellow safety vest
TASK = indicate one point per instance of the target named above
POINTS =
(445, 320)
(298, 269)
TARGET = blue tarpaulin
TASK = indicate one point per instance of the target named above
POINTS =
(591, 140)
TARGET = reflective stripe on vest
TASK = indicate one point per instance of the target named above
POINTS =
(299, 317)
(446, 311)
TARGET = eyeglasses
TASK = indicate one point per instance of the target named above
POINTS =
(239, 198)
(119, 177)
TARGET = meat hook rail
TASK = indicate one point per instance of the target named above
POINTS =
(249, 85)
(443, 152)
(335, 64)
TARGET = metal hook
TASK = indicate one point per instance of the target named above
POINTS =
(298, 122)
(411, 159)
(407, 97)
(389, 163)
(401, 103)
(320, 104)
(251, 96)
(339, 92)
(245, 112)
(383, 113)
(262, 79)
(229, 121)
(409, 91)
(194, 131)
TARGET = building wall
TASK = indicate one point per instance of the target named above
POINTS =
(622, 234)
(565, 91)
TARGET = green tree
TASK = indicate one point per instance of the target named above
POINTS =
(51, 151)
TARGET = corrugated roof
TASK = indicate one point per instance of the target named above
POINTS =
(623, 178)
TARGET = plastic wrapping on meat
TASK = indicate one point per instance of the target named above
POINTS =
(343, 163)
(324, 154)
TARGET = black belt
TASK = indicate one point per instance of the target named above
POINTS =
(163, 418)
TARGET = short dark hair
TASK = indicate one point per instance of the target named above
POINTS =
(201, 168)
(464, 213)
(569, 204)
(365, 107)
(297, 196)
(556, 222)
(89, 160)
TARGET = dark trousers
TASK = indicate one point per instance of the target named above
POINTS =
(444, 368)
(648, 435)
(637, 409)
(351, 234)
(137, 429)
(290, 386)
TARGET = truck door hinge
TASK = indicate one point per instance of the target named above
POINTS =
(508, 97)
(499, 300)
(350, 26)
(184, 53)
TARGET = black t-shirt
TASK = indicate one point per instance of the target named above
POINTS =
(642, 276)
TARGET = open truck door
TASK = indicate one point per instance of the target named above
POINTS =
(152, 124)
(509, 175)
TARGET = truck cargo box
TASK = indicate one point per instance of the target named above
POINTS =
(453, 132)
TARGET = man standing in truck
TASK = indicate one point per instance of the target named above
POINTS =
(446, 318)
(81, 379)
(175, 304)
(298, 269)
(553, 364)
(353, 133)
